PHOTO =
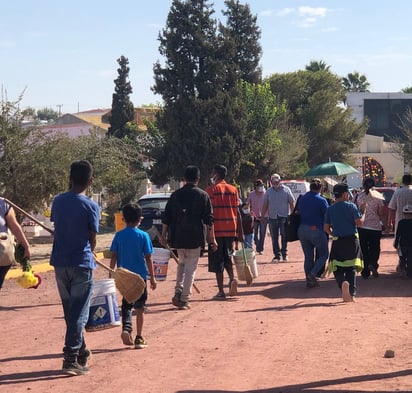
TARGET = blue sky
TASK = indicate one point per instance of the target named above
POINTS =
(64, 53)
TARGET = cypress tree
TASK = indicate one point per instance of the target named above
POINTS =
(122, 108)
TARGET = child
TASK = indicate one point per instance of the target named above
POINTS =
(248, 223)
(403, 241)
(341, 221)
(132, 249)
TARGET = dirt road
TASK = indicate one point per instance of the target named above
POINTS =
(275, 336)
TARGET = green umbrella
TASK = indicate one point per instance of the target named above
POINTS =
(331, 169)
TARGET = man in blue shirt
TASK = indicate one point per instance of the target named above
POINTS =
(76, 223)
(312, 208)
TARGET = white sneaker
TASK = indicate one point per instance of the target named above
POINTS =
(345, 292)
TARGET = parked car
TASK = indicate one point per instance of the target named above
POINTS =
(387, 193)
(153, 208)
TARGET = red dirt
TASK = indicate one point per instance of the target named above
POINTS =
(276, 336)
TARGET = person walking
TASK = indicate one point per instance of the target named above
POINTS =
(227, 227)
(248, 220)
(345, 260)
(76, 223)
(132, 249)
(403, 240)
(8, 221)
(255, 200)
(371, 231)
(278, 202)
(187, 212)
(400, 198)
(312, 208)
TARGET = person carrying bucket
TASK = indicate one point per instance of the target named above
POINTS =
(76, 223)
(132, 249)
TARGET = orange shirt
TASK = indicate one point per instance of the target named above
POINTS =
(225, 202)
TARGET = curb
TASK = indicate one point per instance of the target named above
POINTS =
(41, 267)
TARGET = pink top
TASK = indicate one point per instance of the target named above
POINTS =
(255, 199)
(373, 204)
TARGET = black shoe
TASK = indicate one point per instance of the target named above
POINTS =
(374, 271)
(176, 299)
(140, 342)
(74, 368)
(84, 357)
(183, 305)
(311, 281)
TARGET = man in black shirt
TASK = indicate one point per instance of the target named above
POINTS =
(187, 212)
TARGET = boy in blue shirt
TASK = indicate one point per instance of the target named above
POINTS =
(341, 221)
(76, 223)
(132, 249)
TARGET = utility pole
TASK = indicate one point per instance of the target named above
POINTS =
(60, 109)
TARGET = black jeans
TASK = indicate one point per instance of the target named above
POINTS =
(346, 274)
(370, 243)
(406, 260)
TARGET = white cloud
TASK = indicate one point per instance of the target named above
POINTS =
(285, 11)
(266, 13)
(316, 12)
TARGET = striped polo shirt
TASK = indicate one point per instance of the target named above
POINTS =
(225, 202)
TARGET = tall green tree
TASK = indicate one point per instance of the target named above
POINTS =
(274, 144)
(242, 48)
(122, 114)
(355, 82)
(314, 101)
(203, 123)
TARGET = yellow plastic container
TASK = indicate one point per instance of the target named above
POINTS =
(119, 224)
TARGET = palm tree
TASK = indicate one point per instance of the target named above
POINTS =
(355, 82)
(407, 90)
(315, 66)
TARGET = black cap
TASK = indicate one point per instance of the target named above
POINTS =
(339, 189)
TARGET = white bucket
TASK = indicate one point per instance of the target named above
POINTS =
(104, 312)
(161, 258)
(240, 263)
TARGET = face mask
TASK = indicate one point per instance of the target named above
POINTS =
(212, 180)
(260, 189)
(246, 211)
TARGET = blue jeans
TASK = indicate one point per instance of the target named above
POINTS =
(259, 229)
(248, 240)
(278, 226)
(75, 286)
(315, 248)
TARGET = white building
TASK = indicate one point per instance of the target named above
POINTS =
(384, 112)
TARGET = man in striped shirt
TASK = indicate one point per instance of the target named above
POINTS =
(225, 202)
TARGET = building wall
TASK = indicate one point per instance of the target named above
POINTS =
(384, 152)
